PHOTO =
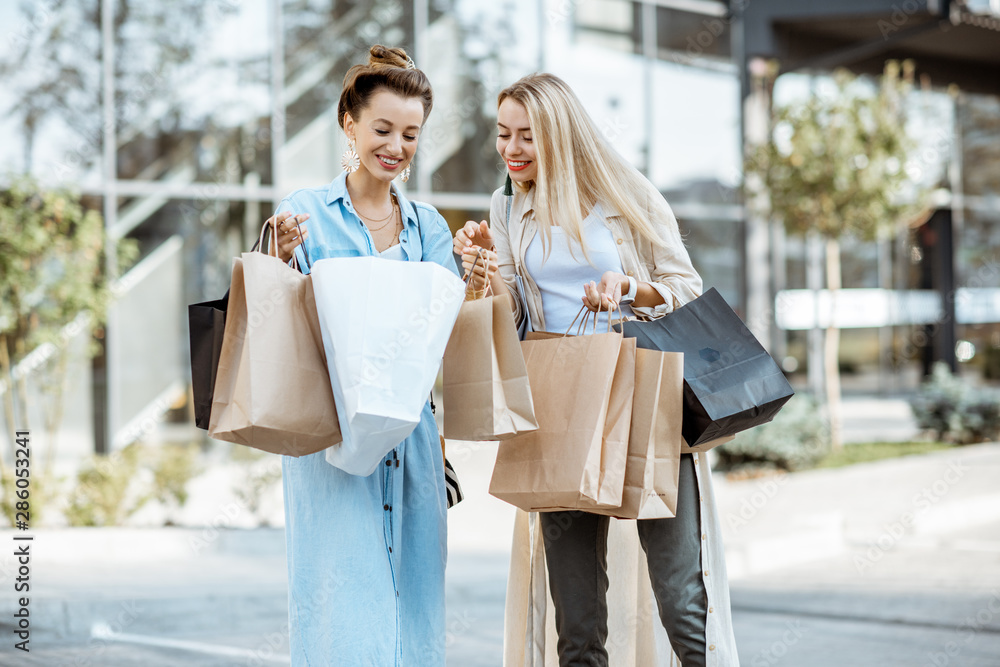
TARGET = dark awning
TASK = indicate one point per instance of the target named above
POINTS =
(948, 42)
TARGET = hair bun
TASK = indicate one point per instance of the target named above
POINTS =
(384, 56)
(388, 68)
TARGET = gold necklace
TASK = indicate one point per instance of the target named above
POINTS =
(393, 240)
(392, 209)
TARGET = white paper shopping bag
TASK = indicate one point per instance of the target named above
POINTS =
(385, 326)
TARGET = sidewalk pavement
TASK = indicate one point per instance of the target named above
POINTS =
(895, 562)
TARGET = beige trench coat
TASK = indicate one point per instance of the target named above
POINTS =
(636, 638)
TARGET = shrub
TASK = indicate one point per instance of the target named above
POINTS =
(173, 468)
(105, 493)
(41, 493)
(110, 489)
(954, 410)
(797, 438)
(260, 473)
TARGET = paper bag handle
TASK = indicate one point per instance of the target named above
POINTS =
(578, 313)
(305, 252)
(480, 254)
(586, 318)
(271, 243)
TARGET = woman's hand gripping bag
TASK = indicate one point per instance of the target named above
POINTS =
(487, 395)
(272, 391)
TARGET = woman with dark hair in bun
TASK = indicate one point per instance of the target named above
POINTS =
(366, 555)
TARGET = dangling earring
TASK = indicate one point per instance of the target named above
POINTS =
(405, 174)
(350, 160)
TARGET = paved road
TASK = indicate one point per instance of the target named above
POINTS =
(810, 616)
(786, 621)
(841, 590)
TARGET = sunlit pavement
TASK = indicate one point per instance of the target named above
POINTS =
(912, 570)
(821, 575)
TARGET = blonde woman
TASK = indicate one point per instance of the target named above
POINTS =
(582, 226)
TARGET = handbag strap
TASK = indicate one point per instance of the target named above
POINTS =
(508, 192)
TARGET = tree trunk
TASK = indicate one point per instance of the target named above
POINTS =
(831, 352)
(20, 385)
(814, 282)
(8, 399)
(29, 149)
(54, 415)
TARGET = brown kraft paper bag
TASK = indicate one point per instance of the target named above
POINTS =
(582, 387)
(487, 395)
(272, 390)
(651, 472)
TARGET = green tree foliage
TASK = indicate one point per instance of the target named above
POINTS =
(835, 165)
(51, 264)
(51, 271)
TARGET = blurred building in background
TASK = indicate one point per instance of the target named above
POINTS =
(930, 294)
(186, 121)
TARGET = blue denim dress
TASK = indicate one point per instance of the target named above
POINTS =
(366, 555)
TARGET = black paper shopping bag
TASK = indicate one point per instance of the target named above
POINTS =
(206, 323)
(730, 382)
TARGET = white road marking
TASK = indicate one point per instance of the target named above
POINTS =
(103, 631)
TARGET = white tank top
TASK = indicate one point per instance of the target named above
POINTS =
(560, 278)
(393, 252)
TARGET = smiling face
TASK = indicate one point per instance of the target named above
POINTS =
(385, 133)
(514, 141)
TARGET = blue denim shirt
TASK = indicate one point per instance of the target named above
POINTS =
(336, 230)
(366, 555)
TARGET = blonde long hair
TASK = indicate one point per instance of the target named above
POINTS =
(577, 167)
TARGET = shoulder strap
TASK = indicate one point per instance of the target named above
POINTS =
(508, 192)
(525, 326)
(420, 232)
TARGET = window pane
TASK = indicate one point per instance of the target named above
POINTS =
(978, 255)
(323, 39)
(858, 263)
(479, 49)
(695, 132)
(685, 36)
(714, 246)
(605, 72)
(193, 91)
(50, 110)
(980, 131)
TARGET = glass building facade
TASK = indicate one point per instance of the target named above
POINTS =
(186, 121)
